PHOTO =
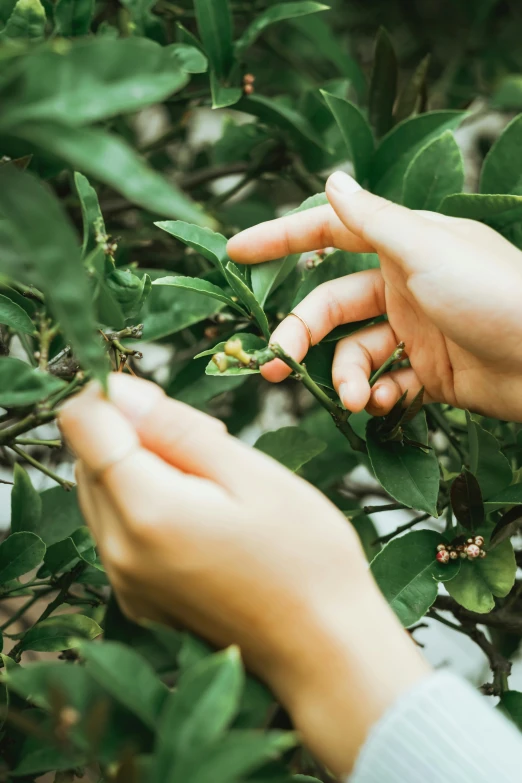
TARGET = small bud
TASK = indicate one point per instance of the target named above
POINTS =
(478, 540)
(441, 547)
(221, 361)
(211, 332)
(249, 78)
(453, 555)
(235, 348)
(68, 717)
(248, 89)
(472, 551)
(463, 555)
(483, 553)
(443, 556)
(471, 540)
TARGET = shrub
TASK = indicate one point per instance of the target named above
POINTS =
(110, 242)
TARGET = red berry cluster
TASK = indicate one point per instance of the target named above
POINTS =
(248, 83)
(470, 550)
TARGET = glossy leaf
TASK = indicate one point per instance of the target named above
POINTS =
(355, 131)
(398, 148)
(73, 17)
(502, 169)
(272, 15)
(208, 243)
(52, 263)
(60, 632)
(480, 581)
(487, 462)
(466, 501)
(435, 172)
(290, 446)
(248, 299)
(26, 21)
(412, 94)
(407, 573)
(20, 553)
(26, 503)
(21, 385)
(215, 29)
(15, 317)
(383, 84)
(200, 286)
(92, 217)
(128, 678)
(407, 473)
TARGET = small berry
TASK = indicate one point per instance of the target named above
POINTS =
(472, 551)
(471, 540)
(249, 78)
(248, 89)
(443, 556)
(478, 540)
(441, 547)
(453, 555)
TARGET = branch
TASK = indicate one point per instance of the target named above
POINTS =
(67, 485)
(499, 618)
(401, 529)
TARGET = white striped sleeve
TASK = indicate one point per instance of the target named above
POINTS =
(442, 731)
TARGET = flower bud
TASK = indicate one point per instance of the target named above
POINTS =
(443, 556)
(478, 540)
(472, 551)
(441, 547)
(221, 361)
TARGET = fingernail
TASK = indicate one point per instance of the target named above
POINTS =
(134, 397)
(343, 183)
(343, 393)
(379, 396)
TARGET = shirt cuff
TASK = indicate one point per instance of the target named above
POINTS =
(442, 730)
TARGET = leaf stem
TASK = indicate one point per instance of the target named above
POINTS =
(52, 444)
(394, 357)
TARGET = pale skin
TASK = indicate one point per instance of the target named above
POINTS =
(198, 530)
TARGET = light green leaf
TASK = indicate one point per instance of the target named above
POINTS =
(510, 705)
(502, 169)
(52, 263)
(200, 286)
(383, 84)
(197, 714)
(92, 217)
(401, 144)
(483, 206)
(26, 21)
(274, 112)
(407, 573)
(60, 633)
(435, 172)
(13, 316)
(223, 95)
(20, 553)
(268, 276)
(247, 297)
(290, 446)
(487, 463)
(112, 161)
(128, 678)
(408, 474)
(73, 17)
(215, 29)
(208, 243)
(250, 342)
(21, 385)
(276, 13)
(480, 580)
(355, 131)
(26, 503)
(189, 57)
(335, 265)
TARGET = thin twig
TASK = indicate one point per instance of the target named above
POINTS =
(401, 529)
(67, 485)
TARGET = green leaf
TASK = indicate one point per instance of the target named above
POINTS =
(64, 555)
(268, 276)
(129, 290)
(189, 57)
(435, 172)
(383, 84)
(21, 385)
(367, 532)
(502, 169)
(60, 633)
(197, 714)
(93, 80)
(13, 316)
(128, 678)
(466, 501)
(407, 473)
(52, 263)
(26, 21)
(401, 144)
(276, 13)
(407, 573)
(61, 515)
(208, 243)
(145, 23)
(335, 265)
(507, 526)
(510, 705)
(73, 17)
(92, 217)
(483, 206)
(509, 496)
(215, 29)
(20, 553)
(273, 112)
(222, 94)
(412, 94)
(478, 581)
(508, 96)
(247, 297)
(290, 446)
(250, 342)
(26, 503)
(200, 286)
(486, 460)
(112, 161)
(355, 131)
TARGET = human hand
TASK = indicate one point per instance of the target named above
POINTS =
(451, 289)
(195, 528)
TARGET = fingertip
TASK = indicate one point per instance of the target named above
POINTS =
(383, 398)
(134, 397)
(235, 247)
(74, 407)
(275, 371)
(354, 393)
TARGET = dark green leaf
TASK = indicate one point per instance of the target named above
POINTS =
(335, 265)
(510, 705)
(26, 21)
(274, 112)
(435, 172)
(479, 581)
(200, 286)
(20, 385)
(407, 573)
(129, 290)
(276, 13)
(63, 555)
(487, 462)
(383, 85)
(60, 633)
(26, 503)
(20, 553)
(248, 299)
(13, 316)
(355, 131)
(509, 496)
(61, 515)
(52, 262)
(412, 93)
(128, 678)
(466, 501)
(407, 473)
(367, 533)
(215, 29)
(73, 17)
(508, 525)
(508, 96)
(290, 446)
(208, 243)
(482, 206)
(92, 217)
(502, 169)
